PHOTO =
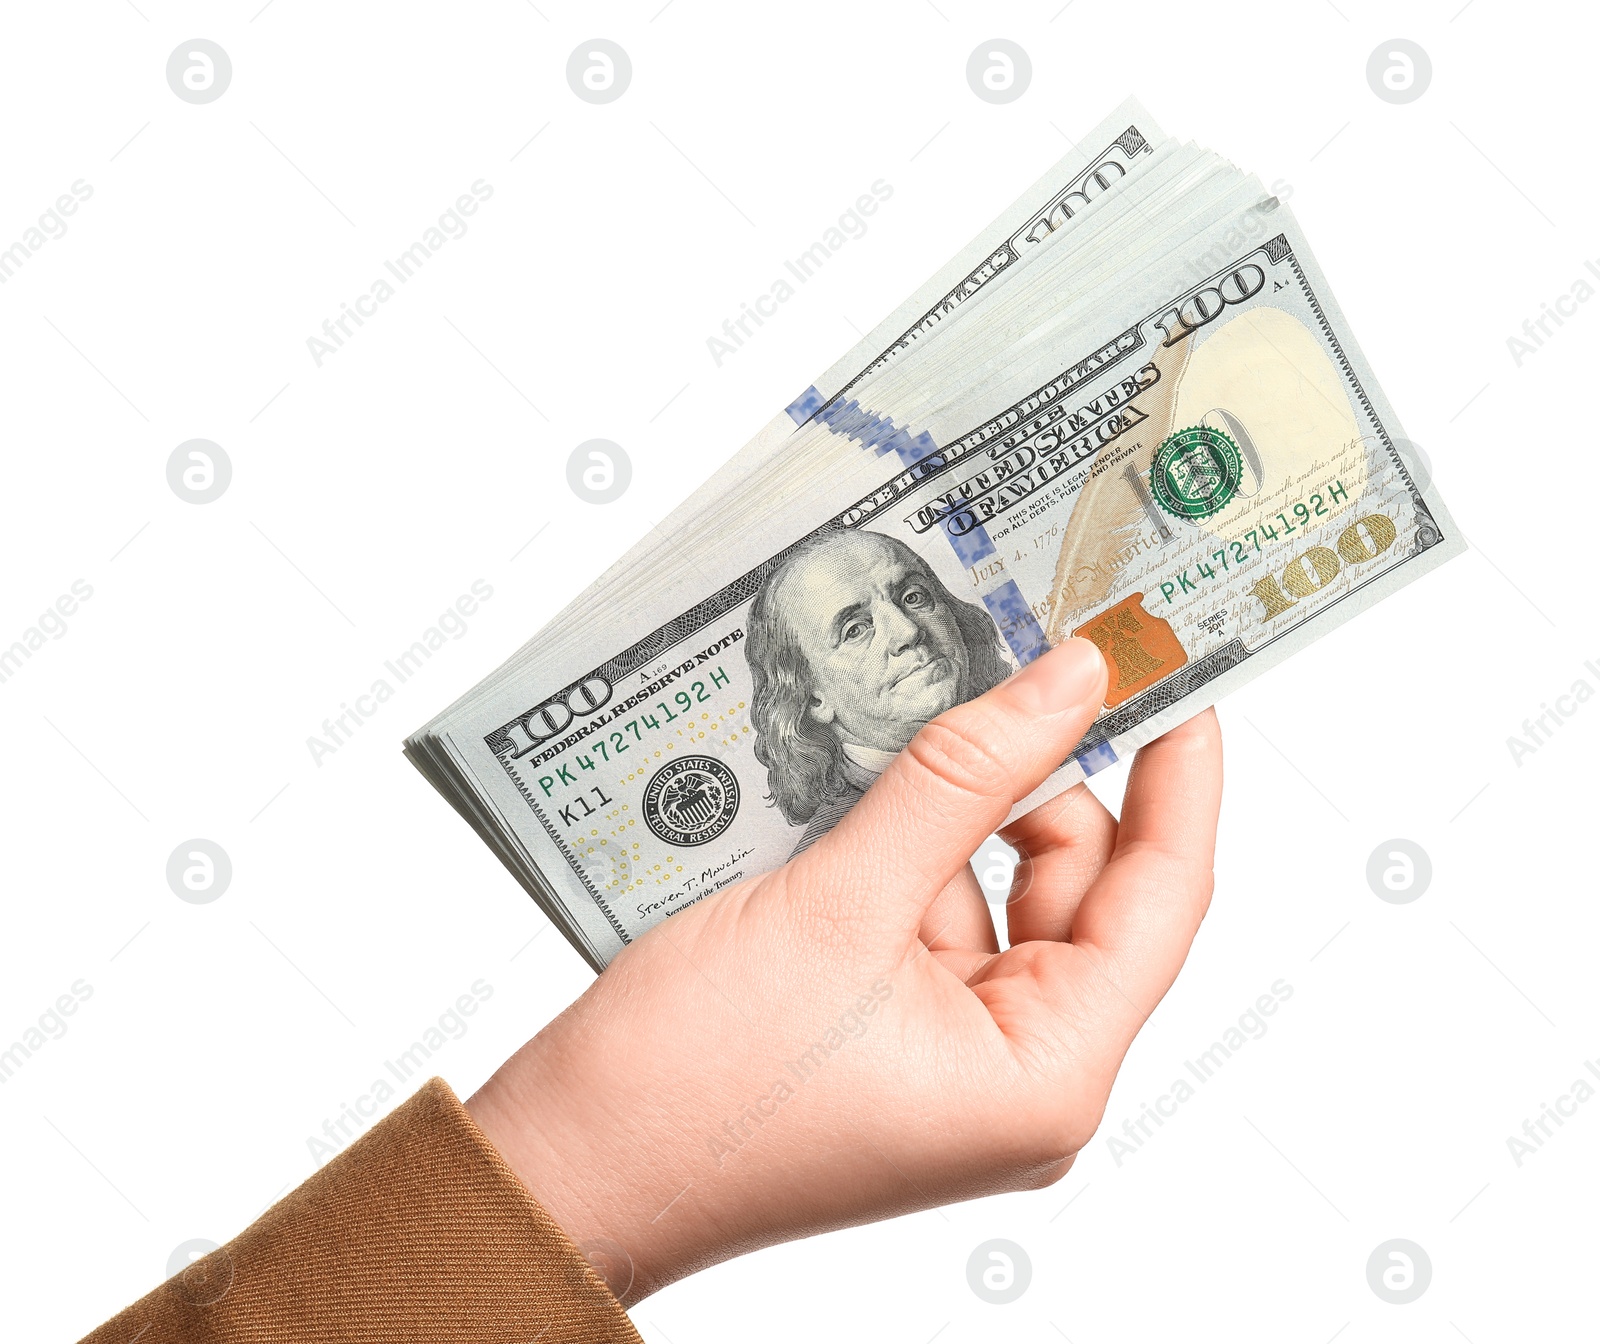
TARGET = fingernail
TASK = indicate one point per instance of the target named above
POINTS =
(1063, 678)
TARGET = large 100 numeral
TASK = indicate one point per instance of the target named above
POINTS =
(1314, 569)
(1207, 304)
(552, 717)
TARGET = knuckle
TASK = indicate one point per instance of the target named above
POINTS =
(1170, 871)
(1194, 880)
(963, 752)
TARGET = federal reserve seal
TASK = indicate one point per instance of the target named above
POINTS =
(1196, 472)
(691, 800)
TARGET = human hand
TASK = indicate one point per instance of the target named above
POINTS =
(842, 1040)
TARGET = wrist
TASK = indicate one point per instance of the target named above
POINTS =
(583, 1168)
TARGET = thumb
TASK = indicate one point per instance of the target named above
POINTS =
(954, 784)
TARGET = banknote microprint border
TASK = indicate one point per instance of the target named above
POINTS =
(1164, 694)
(565, 851)
(1158, 698)
(1430, 534)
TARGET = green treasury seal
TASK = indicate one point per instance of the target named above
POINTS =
(1196, 472)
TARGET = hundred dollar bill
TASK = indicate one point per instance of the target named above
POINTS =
(1148, 425)
(1209, 479)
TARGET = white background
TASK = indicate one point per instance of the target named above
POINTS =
(369, 493)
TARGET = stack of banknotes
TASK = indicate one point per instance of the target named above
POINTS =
(1130, 410)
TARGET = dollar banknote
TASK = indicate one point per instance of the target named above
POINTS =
(1132, 411)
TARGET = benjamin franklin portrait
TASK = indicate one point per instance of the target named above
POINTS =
(854, 644)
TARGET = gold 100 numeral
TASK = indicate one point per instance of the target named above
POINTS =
(1312, 570)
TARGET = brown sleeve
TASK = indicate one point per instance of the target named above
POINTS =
(419, 1230)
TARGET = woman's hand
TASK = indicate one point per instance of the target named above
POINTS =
(842, 1040)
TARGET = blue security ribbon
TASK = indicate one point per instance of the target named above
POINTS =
(1005, 603)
